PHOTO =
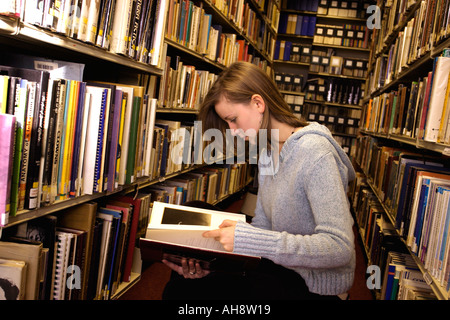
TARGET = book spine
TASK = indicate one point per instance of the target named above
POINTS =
(131, 157)
(31, 99)
(7, 143)
(98, 158)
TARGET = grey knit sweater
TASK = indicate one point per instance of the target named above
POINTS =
(302, 218)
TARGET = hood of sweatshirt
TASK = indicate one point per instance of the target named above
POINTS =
(316, 128)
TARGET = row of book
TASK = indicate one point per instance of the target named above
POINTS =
(272, 12)
(296, 24)
(289, 81)
(296, 103)
(334, 8)
(399, 277)
(190, 26)
(291, 51)
(130, 28)
(401, 54)
(419, 110)
(69, 138)
(338, 121)
(302, 5)
(343, 8)
(347, 35)
(183, 86)
(73, 137)
(417, 38)
(207, 184)
(84, 253)
(336, 65)
(413, 188)
(428, 26)
(245, 19)
(334, 91)
(393, 14)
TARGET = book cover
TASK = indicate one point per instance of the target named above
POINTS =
(32, 255)
(12, 279)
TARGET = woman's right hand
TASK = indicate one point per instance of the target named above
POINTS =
(189, 268)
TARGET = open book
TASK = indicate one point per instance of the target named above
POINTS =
(175, 231)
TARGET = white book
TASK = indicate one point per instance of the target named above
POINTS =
(88, 27)
(79, 181)
(149, 143)
(158, 30)
(90, 150)
(176, 231)
(122, 17)
(437, 98)
(185, 225)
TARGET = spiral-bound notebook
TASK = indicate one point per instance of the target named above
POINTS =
(63, 240)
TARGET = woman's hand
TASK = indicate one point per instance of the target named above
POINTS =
(189, 268)
(225, 234)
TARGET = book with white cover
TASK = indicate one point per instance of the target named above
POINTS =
(437, 98)
(176, 231)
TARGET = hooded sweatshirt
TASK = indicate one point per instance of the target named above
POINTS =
(302, 217)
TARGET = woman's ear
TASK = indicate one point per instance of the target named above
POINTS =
(259, 102)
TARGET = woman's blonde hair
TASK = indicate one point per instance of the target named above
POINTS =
(238, 83)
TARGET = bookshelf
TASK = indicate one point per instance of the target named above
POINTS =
(135, 76)
(405, 53)
(326, 45)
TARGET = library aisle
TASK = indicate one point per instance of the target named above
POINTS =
(155, 276)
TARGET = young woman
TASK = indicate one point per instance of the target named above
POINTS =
(302, 226)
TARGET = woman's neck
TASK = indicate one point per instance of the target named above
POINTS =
(284, 131)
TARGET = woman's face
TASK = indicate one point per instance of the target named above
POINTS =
(244, 120)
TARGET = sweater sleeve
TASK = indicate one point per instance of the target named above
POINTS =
(331, 244)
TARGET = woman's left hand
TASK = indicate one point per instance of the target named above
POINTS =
(225, 234)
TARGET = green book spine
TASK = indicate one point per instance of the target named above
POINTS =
(132, 144)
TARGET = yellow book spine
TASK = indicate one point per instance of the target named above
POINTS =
(67, 142)
(122, 123)
(445, 114)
